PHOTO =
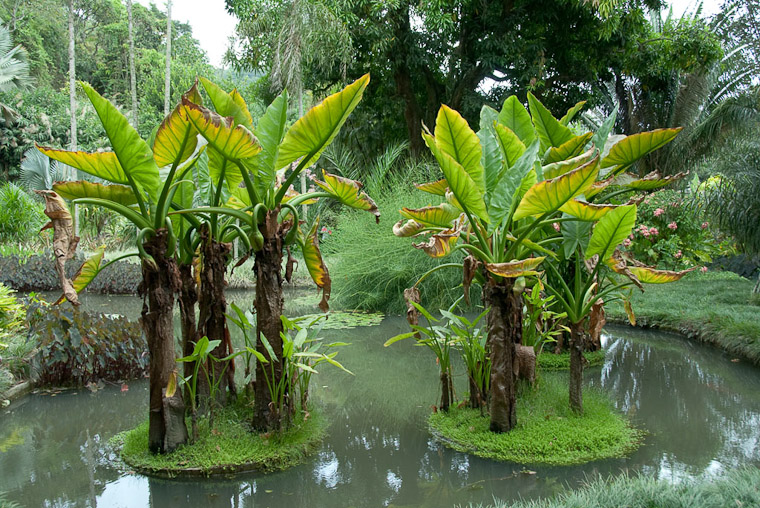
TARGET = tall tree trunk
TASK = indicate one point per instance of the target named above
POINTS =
(188, 297)
(70, 173)
(268, 304)
(132, 77)
(213, 308)
(166, 421)
(167, 82)
(577, 339)
(504, 332)
(445, 391)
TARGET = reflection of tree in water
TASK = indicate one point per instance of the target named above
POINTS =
(696, 407)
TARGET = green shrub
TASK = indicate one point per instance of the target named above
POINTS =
(77, 347)
(21, 216)
(372, 267)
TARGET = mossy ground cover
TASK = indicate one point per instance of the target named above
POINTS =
(547, 431)
(549, 361)
(230, 447)
(716, 307)
(739, 488)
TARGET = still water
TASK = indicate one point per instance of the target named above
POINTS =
(700, 409)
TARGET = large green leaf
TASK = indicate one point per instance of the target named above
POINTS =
(506, 191)
(589, 212)
(455, 137)
(218, 162)
(269, 132)
(514, 116)
(571, 148)
(104, 165)
(134, 154)
(571, 113)
(548, 196)
(233, 141)
(510, 146)
(438, 216)
(556, 169)
(226, 105)
(631, 148)
(83, 189)
(464, 189)
(313, 132)
(550, 131)
(574, 233)
(176, 138)
(491, 160)
(611, 230)
(348, 192)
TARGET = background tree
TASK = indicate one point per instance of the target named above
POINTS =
(132, 77)
(168, 82)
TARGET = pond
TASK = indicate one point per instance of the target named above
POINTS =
(701, 411)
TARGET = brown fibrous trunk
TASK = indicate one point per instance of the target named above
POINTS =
(504, 332)
(166, 422)
(268, 304)
(188, 297)
(577, 340)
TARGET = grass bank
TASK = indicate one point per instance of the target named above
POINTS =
(230, 447)
(547, 431)
(736, 489)
(549, 361)
(718, 308)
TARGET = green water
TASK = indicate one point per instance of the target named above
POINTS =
(701, 410)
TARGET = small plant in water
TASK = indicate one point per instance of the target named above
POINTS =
(540, 324)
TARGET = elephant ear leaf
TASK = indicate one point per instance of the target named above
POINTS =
(549, 195)
(570, 148)
(436, 216)
(455, 137)
(316, 266)
(630, 149)
(348, 192)
(103, 165)
(228, 104)
(514, 116)
(515, 269)
(86, 273)
(461, 184)
(269, 131)
(571, 113)
(232, 141)
(311, 134)
(438, 188)
(440, 244)
(134, 155)
(611, 230)
(238, 100)
(653, 180)
(509, 144)
(83, 189)
(550, 131)
(176, 137)
(649, 275)
(588, 212)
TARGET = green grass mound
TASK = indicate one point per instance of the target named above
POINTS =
(547, 431)
(230, 448)
(736, 488)
(549, 361)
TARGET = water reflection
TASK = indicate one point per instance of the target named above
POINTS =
(701, 410)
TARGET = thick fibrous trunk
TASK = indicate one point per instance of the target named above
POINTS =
(478, 394)
(504, 332)
(268, 304)
(166, 428)
(576, 366)
(212, 320)
(188, 297)
(445, 391)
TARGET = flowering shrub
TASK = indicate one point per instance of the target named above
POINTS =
(671, 234)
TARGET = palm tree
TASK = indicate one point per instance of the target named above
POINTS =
(14, 71)
(38, 171)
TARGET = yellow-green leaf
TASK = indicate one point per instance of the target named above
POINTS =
(86, 273)
(570, 148)
(556, 169)
(83, 189)
(134, 155)
(649, 275)
(571, 113)
(611, 230)
(454, 136)
(653, 180)
(440, 216)
(234, 142)
(589, 212)
(171, 385)
(513, 269)
(631, 148)
(408, 228)
(440, 244)
(550, 131)
(218, 163)
(176, 137)
(269, 132)
(104, 165)
(549, 195)
(462, 186)
(313, 132)
(348, 192)
(514, 116)
(247, 119)
(226, 105)
(510, 146)
(316, 266)
(438, 188)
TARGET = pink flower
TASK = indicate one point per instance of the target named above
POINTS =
(658, 212)
(555, 225)
(673, 226)
(675, 204)
(631, 236)
(323, 230)
(627, 242)
(653, 231)
(678, 254)
(705, 225)
(703, 269)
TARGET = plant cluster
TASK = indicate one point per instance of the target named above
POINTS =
(15, 349)
(77, 348)
(21, 215)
